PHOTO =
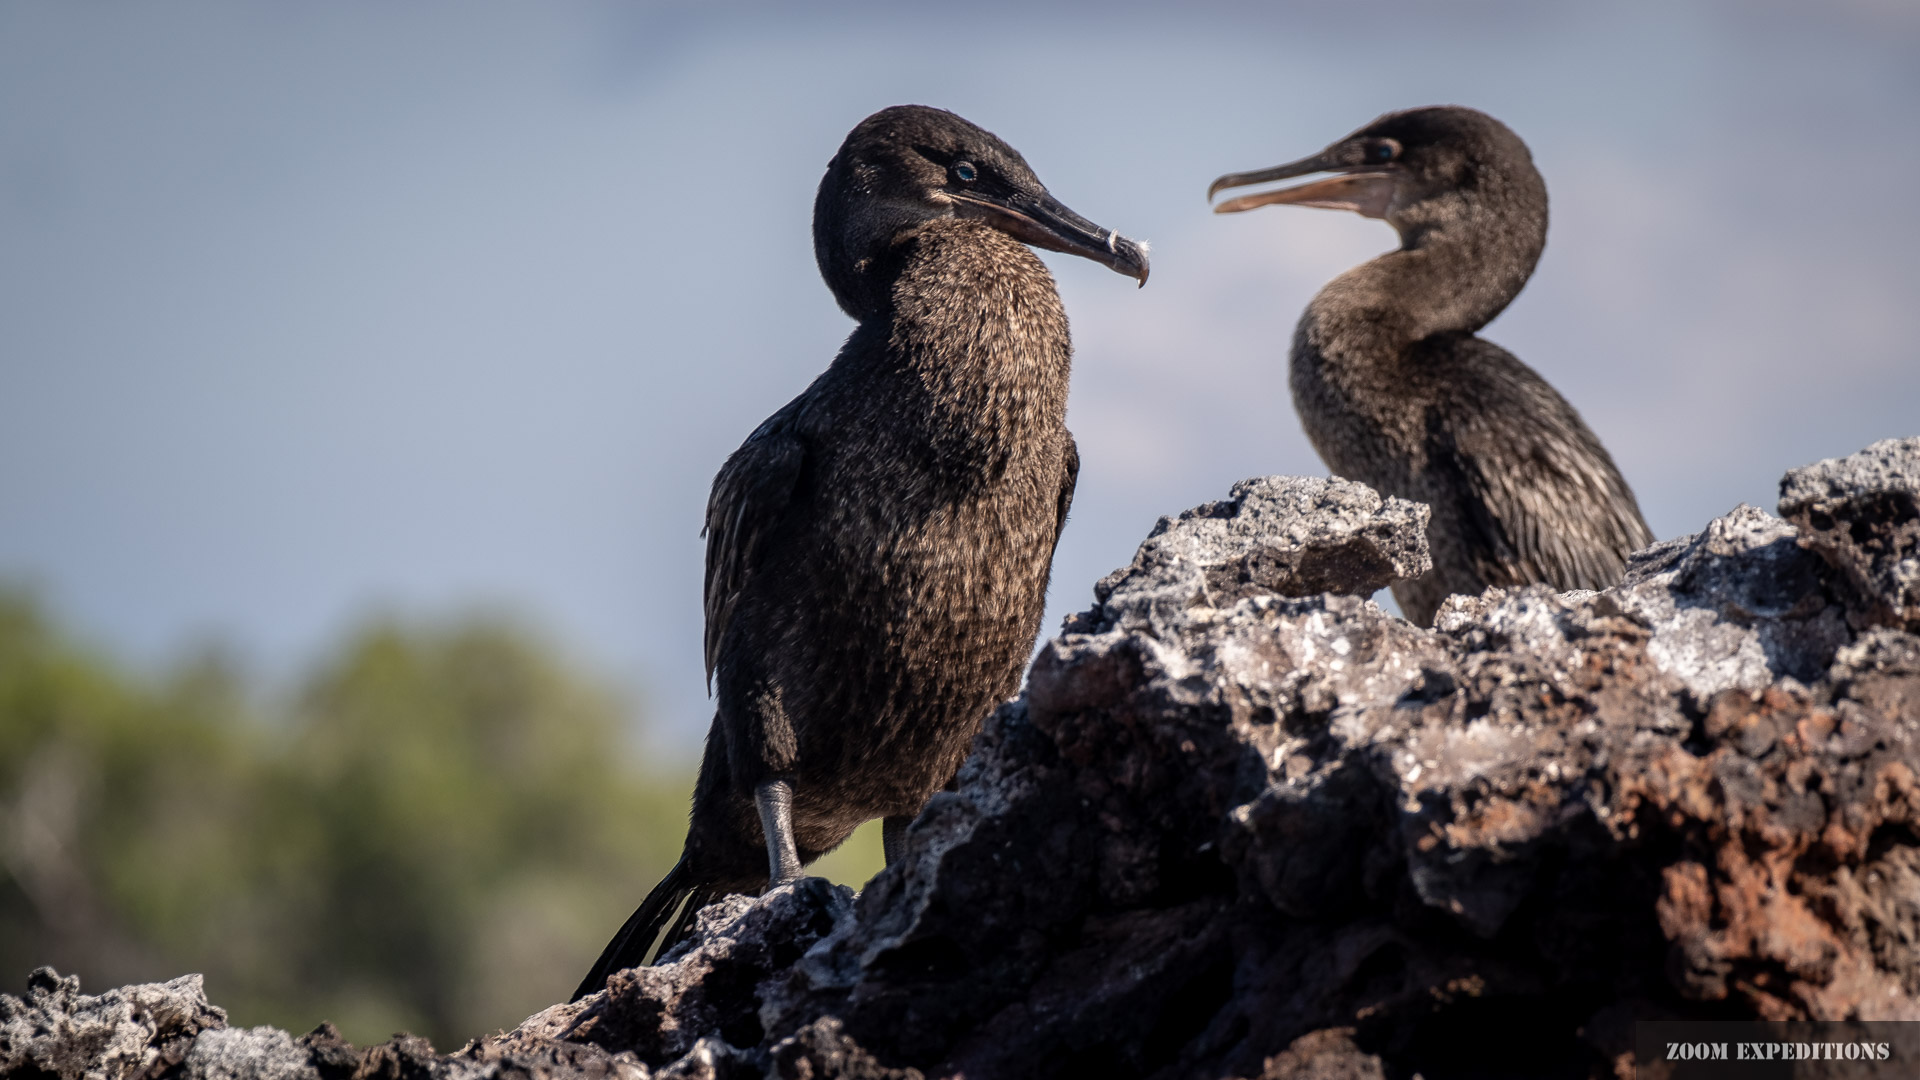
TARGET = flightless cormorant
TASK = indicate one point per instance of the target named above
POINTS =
(878, 549)
(1396, 391)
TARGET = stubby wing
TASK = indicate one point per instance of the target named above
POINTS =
(750, 495)
(1068, 480)
(1544, 495)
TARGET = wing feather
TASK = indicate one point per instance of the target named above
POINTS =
(1546, 498)
(750, 495)
(1068, 481)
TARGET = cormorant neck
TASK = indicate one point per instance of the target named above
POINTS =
(974, 319)
(1461, 262)
(962, 292)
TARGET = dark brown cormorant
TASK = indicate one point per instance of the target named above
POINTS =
(1394, 388)
(878, 550)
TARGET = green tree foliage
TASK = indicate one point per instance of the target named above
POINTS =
(436, 834)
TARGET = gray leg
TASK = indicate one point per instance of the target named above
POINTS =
(893, 836)
(775, 800)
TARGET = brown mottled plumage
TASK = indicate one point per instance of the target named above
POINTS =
(1394, 388)
(878, 550)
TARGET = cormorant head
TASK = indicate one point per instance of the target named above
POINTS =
(1419, 169)
(910, 164)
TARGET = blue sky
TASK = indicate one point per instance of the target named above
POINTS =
(309, 312)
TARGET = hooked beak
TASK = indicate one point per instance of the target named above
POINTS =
(1042, 221)
(1363, 190)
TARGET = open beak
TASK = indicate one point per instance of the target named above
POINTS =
(1040, 220)
(1363, 190)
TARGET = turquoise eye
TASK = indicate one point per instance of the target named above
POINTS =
(964, 172)
(1383, 152)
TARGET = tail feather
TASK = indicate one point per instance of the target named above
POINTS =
(682, 926)
(629, 947)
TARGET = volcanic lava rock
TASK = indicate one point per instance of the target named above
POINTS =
(133, 1031)
(1244, 823)
(1862, 514)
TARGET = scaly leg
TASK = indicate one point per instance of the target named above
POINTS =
(893, 836)
(775, 800)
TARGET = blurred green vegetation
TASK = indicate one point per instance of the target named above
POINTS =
(436, 833)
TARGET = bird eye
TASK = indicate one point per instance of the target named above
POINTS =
(1384, 150)
(964, 172)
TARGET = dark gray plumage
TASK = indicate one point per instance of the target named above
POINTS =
(878, 549)
(1394, 388)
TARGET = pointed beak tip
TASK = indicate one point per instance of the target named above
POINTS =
(1128, 257)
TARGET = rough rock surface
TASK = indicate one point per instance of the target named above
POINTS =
(1862, 514)
(1244, 823)
(135, 1031)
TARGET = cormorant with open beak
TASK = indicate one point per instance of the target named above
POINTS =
(1396, 390)
(878, 549)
